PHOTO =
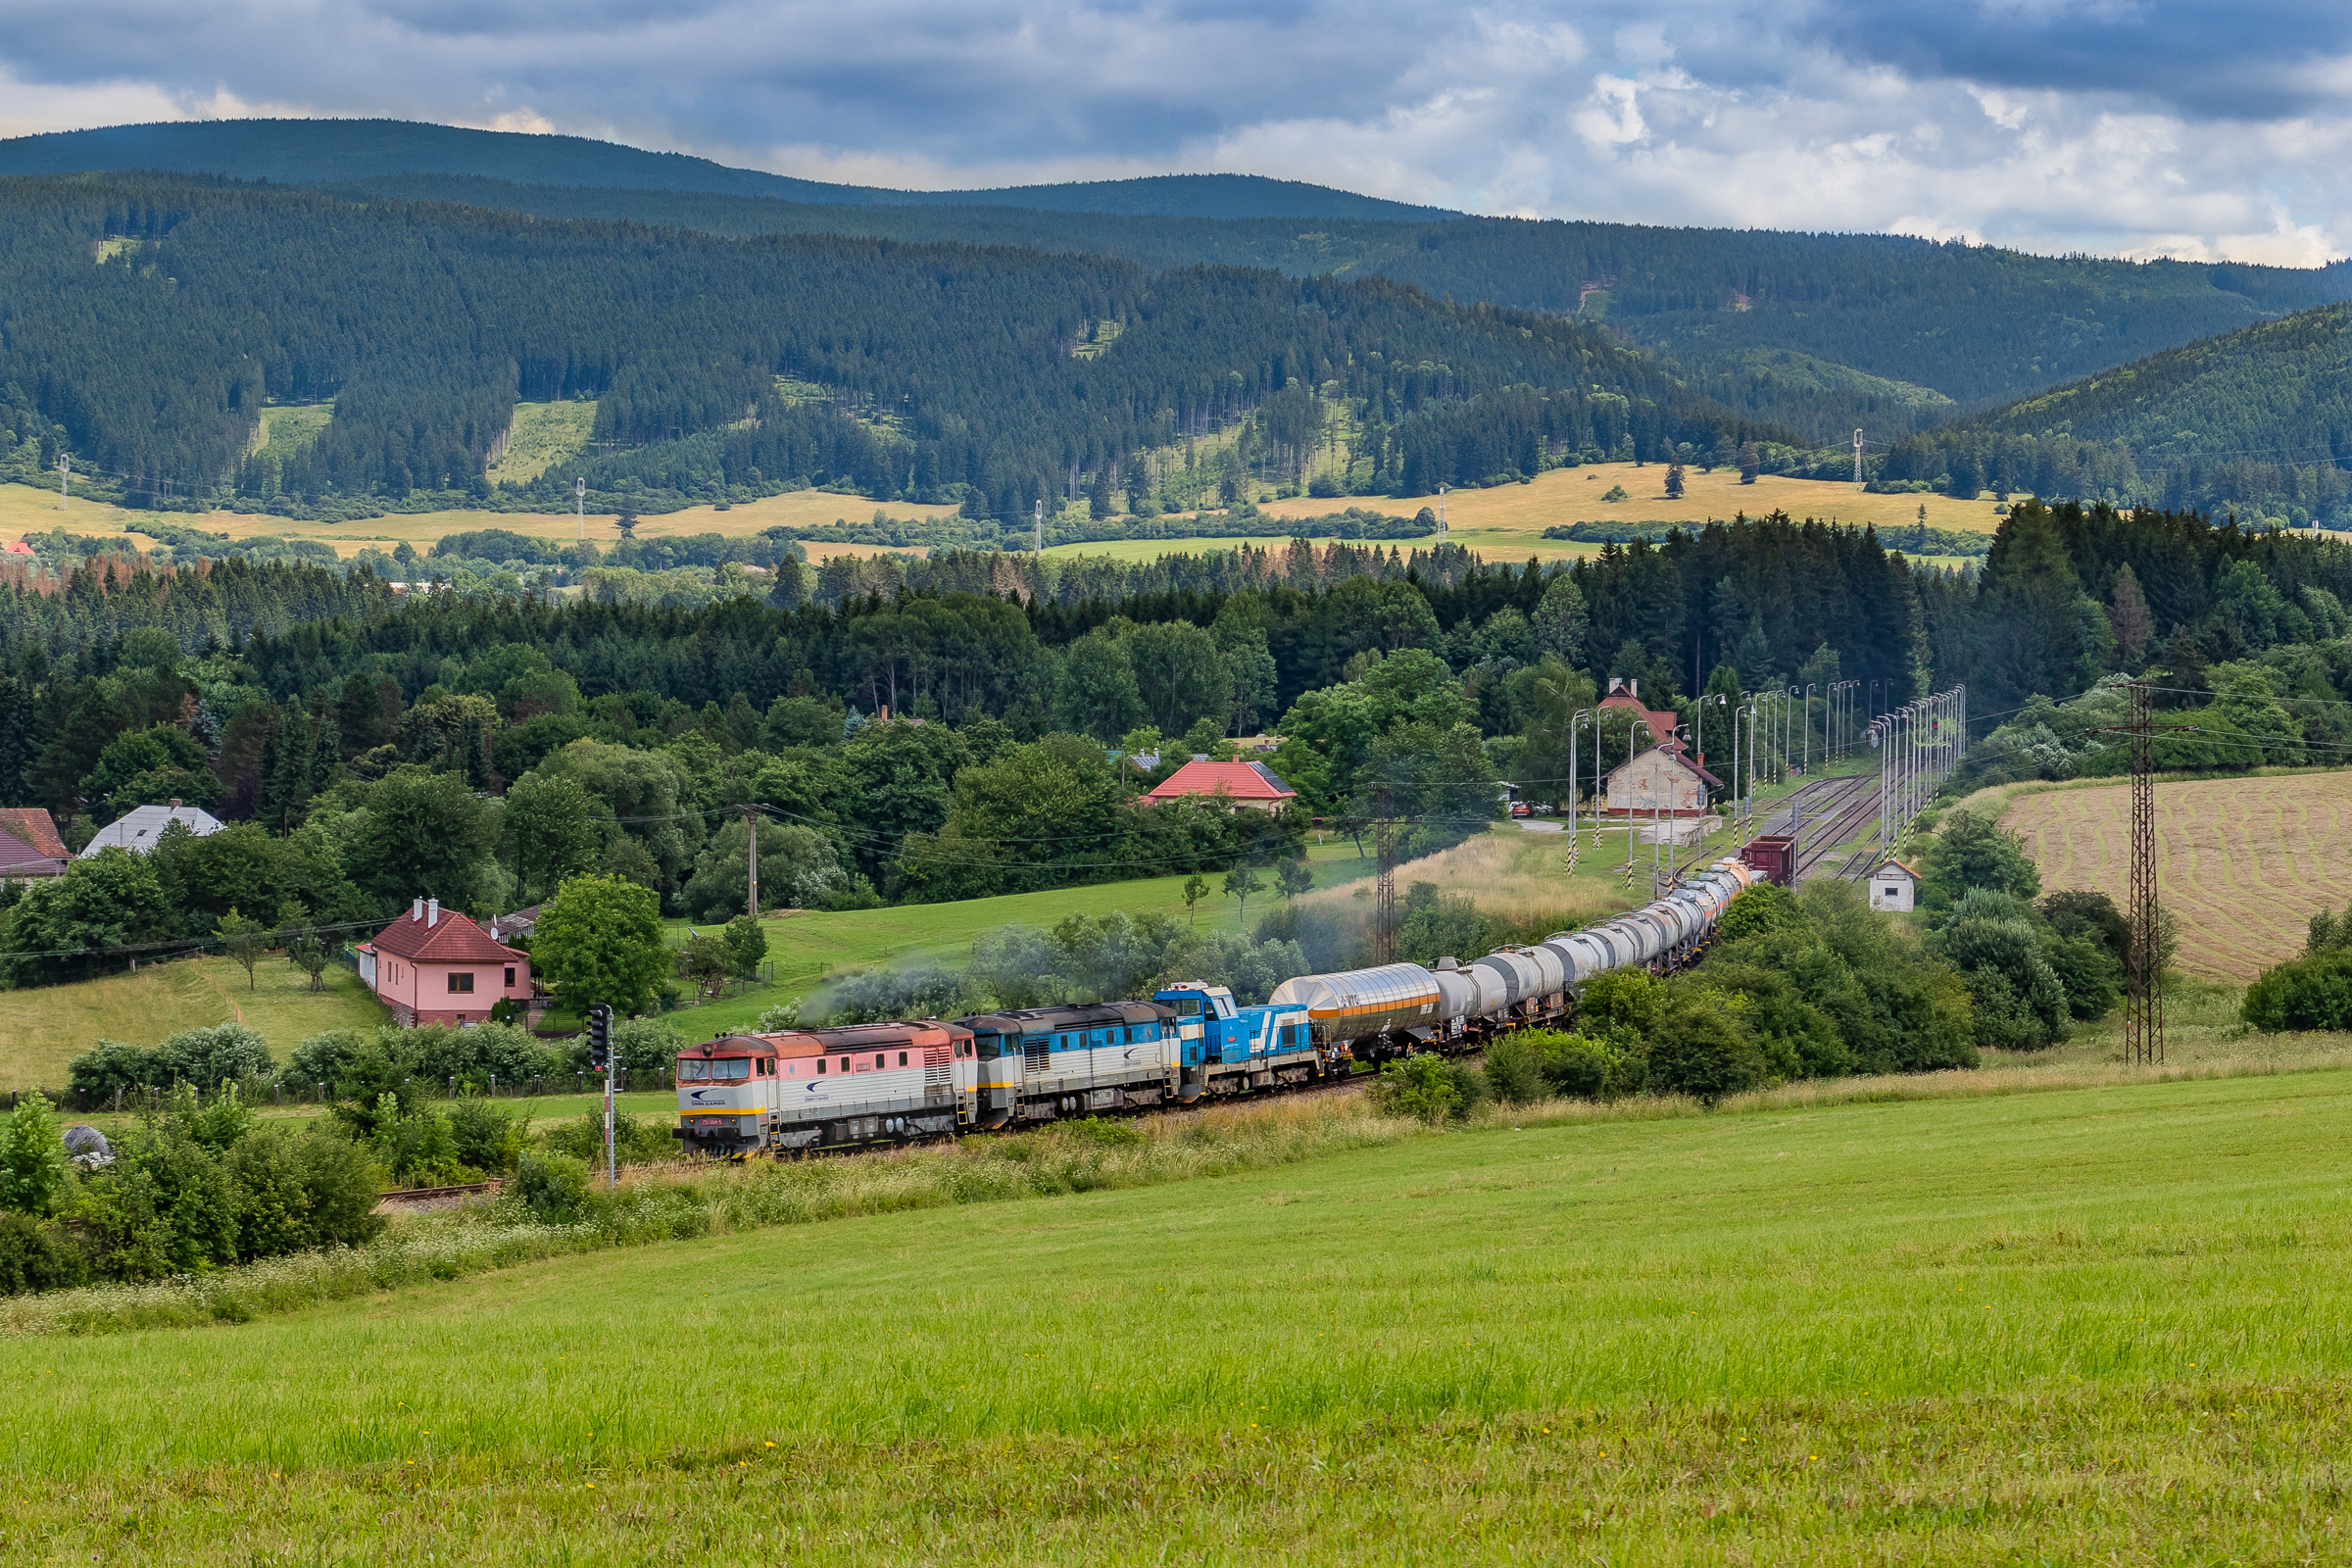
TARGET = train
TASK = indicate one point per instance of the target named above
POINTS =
(806, 1090)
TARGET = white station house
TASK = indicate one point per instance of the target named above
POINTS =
(1895, 887)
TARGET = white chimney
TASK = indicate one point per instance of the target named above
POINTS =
(432, 911)
(417, 909)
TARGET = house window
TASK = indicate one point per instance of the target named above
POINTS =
(509, 977)
(461, 984)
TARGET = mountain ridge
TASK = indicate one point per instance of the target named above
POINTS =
(306, 151)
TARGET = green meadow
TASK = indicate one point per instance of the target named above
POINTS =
(1973, 1324)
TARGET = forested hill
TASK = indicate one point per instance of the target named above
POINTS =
(149, 321)
(1822, 333)
(1818, 334)
(2258, 422)
(304, 152)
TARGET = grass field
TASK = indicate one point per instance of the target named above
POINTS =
(2092, 1325)
(43, 1028)
(543, 435)
(2242, 864)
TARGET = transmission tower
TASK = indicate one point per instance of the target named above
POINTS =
(65, 479)
(579, 506)
(1857, 457)
(2143, 1002)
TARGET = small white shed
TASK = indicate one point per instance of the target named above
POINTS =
(1895, 887)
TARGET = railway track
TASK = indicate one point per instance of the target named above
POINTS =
(1827, 814)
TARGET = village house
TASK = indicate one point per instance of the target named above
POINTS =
(28, 844)
(138, 828)
(1250, 784)
(435, 965)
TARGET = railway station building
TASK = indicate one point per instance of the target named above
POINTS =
(1663, 781)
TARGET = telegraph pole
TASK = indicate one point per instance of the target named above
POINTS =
(751, 823)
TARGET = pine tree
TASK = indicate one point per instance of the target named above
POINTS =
(2127, 613)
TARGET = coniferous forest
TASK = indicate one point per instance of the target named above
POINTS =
(487, 744)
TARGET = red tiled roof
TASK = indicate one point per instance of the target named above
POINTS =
(1661, 722)
(453, 939)
(16, 547)
(33, 824)
(1240, 781)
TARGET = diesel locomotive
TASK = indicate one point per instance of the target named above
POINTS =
(866, 1084)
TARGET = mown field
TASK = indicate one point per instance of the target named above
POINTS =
(43, 1028)
(23, 509)
(1504, 523)
(2242, 864)
(1510, 519)
(2083, 1325)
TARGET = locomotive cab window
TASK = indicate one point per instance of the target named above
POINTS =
(988, 1047)
(1188, 1007)
(693, 1070)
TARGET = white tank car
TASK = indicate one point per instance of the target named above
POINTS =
(1400, 1000)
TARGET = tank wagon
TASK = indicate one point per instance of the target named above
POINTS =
(883, 1083)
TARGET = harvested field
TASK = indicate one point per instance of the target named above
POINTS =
(2243, 863)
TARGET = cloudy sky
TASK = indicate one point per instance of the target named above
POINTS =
(2107, 125)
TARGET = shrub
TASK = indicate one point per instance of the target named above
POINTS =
(1622, 998)
(1418, 1086)
(417, 1145)
(38, 1255)
(553, 1186)
(1757, 909)
(2314, 993)
(327, 1058)
(34, 1170)
(297, 1191)
(209, 1057)
(473, 1057)
(1515, 1067)
(485, 1137)
(635, 1141)
(645, 1044)
(167, 1205)
(1700, 1046)
(108, 1067)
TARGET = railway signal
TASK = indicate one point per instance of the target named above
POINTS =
(601, 1058)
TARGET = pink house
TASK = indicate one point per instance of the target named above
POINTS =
(434, 965)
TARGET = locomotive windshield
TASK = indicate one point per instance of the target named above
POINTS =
(988, 1048)
(706, 1069)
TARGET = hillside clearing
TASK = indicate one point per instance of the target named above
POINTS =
(1643, 1340)
(542, 435)
(2242, 864)
(44, 1027)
